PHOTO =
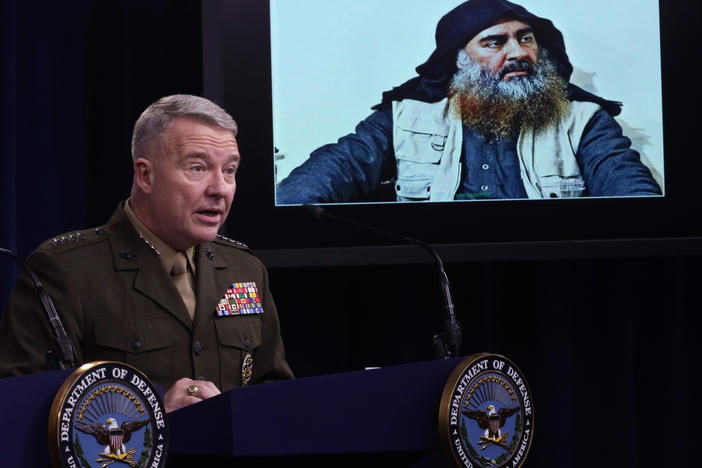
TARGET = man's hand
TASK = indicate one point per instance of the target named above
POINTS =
(186, 392)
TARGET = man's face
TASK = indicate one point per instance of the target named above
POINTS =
(192, 182)
(508, 49)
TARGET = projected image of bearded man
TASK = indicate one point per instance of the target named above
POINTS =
(492, 115)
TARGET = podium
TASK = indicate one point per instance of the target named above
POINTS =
(387, 415)
(24, 418)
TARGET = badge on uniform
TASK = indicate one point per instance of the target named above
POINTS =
(240, 299)
(246, 369)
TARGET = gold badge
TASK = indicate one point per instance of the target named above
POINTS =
(246, 369)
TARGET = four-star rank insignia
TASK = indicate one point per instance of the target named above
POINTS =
(240, 299)
(486, 417)
(108, 414)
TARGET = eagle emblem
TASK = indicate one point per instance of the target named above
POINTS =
(486, 417)
(108, 414)
(492, 421)
(113, 437)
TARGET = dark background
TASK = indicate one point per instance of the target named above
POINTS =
(607, 334)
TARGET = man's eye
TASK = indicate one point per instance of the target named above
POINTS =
(230, 171)
(197, 168)
(527, 38)
(493, 44)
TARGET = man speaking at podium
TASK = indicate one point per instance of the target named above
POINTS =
(157, 287)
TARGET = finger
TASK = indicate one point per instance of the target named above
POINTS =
(194, 389)
(207, 389)
(184, 382)
(180, 401)
(187, 400)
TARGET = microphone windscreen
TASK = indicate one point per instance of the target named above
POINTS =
(314, 210)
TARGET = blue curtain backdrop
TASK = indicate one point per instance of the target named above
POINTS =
(75, 76)
(8, 85)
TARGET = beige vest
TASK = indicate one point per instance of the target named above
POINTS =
(428, 140)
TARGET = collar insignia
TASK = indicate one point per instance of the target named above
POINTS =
(127, 254)
(209, 253)
(240, 299)
(149, 244)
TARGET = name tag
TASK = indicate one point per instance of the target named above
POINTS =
(240, 299)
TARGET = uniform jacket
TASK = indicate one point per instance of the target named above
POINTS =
(118, 303)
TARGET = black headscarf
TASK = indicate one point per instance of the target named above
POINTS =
(458, 27)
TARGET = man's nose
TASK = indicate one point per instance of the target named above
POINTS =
(514, 50)
(217, 185)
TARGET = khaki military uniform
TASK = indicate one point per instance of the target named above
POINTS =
(118, 303)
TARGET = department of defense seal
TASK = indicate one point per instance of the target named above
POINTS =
(486, 417)
(107, 414)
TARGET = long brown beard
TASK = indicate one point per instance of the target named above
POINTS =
(499, 109)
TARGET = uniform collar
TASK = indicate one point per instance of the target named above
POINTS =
(166, 253)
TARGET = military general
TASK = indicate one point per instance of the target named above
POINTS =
(156, 287)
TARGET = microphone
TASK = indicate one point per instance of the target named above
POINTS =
(62, 356)
(447, 343)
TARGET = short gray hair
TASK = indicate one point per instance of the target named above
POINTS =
(155, 119)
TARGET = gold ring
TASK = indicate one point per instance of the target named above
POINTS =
(192, 390)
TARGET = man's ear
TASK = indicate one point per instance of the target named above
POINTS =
(144, 174)
(458, 59)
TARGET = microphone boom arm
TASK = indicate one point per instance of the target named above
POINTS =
(63, 354)
(447, 343)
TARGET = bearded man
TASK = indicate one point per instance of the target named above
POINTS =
(490, 116)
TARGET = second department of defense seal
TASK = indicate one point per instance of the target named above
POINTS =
(486, 417)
